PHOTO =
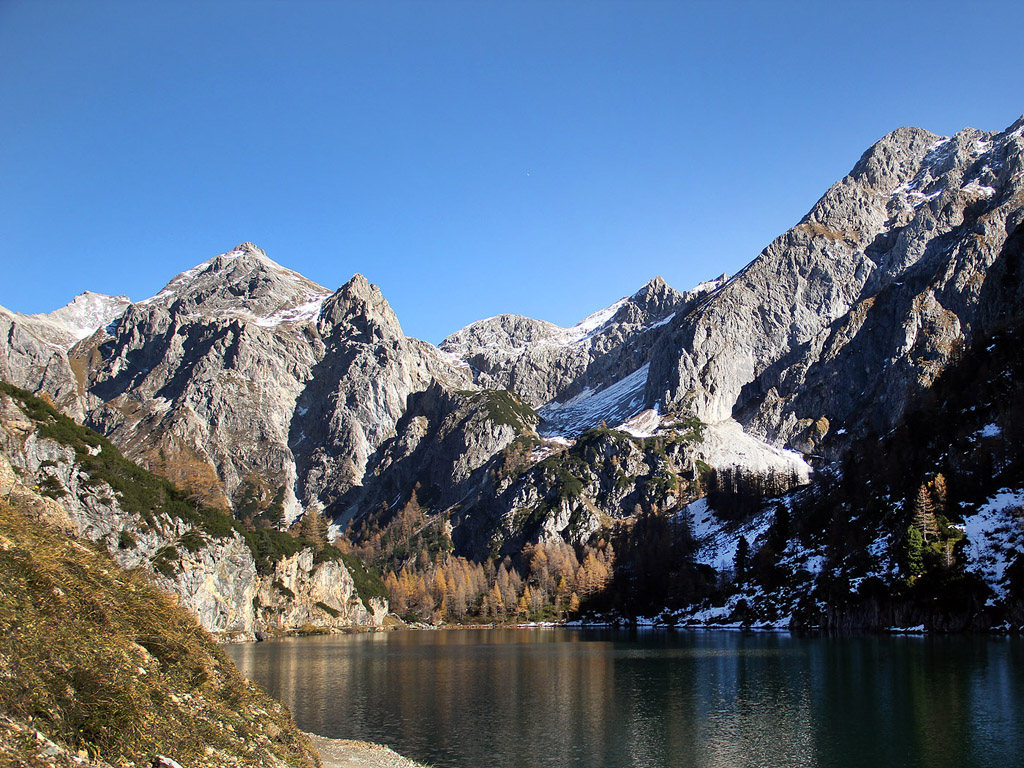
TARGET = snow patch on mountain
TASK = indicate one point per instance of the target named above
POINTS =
(86, 313)
(716, 539)
(976, 189)
(613, 404)
(245, 284)
(664, 321)
(995, 535)
(725, 444)
(304, 312)
(588, 326)
(644, 424)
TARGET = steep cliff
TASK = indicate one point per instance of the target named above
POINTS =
(239, 584)
(849, 316)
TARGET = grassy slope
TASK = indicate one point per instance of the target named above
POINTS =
(99, 660)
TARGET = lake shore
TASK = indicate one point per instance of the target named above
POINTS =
(345, 753)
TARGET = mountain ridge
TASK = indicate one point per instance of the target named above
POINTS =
(249, 381)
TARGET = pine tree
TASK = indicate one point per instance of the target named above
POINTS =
(313, 528)
(913, 554)
(742, 558)
(574, 603)
(924, 514)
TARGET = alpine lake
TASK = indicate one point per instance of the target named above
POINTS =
(530, 697)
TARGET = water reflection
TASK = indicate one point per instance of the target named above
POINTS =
(546, 697)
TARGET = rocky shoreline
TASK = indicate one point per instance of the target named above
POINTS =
(344, 753)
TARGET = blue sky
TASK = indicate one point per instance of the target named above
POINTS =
(470, 158)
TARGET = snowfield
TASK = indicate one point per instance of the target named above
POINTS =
(613, 404)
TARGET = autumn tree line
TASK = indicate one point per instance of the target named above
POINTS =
(550, 584)
(426, 581)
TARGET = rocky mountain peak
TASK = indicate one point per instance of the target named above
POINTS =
(87, 312)
(358, 311)
(243, 283)
(893, 159)
(656, 297)
(249, 249)
(506, 331)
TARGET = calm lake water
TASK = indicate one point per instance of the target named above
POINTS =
(566, 698)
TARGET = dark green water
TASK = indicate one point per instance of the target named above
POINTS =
(567, 698)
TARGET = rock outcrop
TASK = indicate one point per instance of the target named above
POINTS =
(851, 314)
(206, 561)
(547, 365)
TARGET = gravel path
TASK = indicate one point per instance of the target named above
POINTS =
(342, 753)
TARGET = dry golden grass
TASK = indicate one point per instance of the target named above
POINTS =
(100, 660)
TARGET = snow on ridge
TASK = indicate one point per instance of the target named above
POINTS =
(644, 424)
(663, 321)
(707, 286)
(183, 277)
(309, 310)
(85, 314)
(929, 173)
(485, 336)
(589, 325)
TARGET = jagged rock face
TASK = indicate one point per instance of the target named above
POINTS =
(862, 303)
(358, 390)
(34, 349)
(544, 490)
(240, 371)
(301, 593)
(804, 280)
(445, 445)
(582, 376)
(33, 357)
(953, 245)
(215, 578)
(183, 392)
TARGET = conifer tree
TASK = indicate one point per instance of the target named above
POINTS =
(913, 554)
(313, 528)
(924, 514)
(742, 557)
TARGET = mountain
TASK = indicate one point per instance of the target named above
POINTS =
(242, 378)
(34, 349)
(848, 316)
(726, 413)
(85, 314)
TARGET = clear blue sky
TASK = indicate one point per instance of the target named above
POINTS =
(471, 157)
